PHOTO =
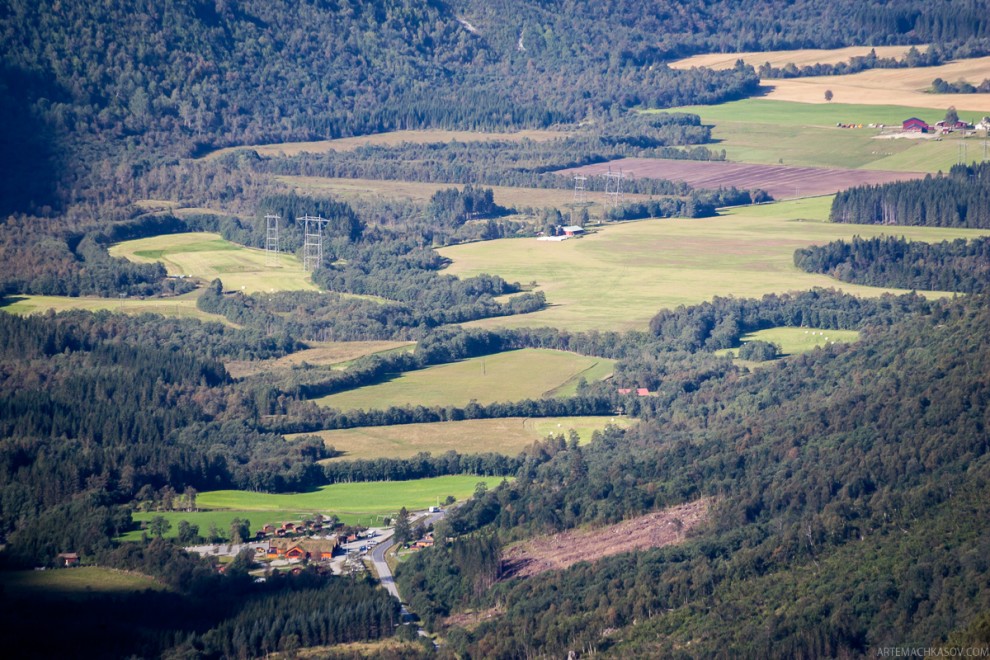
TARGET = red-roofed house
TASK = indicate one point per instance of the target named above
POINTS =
(642, 391)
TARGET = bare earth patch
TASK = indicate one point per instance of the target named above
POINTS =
(781, 181)
(559, 551)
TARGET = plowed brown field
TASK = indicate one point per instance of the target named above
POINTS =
(781, 181)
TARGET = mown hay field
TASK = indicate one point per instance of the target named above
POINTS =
(510, 376)
(905, 87)
(392, 138)
(508, 435)
(619, 277)
(207, 256)
(781, 58)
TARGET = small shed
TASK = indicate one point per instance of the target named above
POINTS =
(68, 559)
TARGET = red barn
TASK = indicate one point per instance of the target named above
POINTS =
(915, 124)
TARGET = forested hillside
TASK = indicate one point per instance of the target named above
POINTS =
(830, 471)
(89, 82)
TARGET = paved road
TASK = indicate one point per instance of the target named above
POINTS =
(381, 566)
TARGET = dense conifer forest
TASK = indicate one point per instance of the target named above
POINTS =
(847, 488)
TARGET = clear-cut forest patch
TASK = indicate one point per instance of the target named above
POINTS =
(559, 551)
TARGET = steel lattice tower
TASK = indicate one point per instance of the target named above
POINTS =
(313, 241)
(271, 240)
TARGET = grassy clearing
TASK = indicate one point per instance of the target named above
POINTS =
(321, 353)
(793, 341)
(507, 436)
(509, 376)
(370, 189)
(780, 58)
(74, 583)
(774, 132)
(354, 498)
(207, 256)
(619, 277)
(904, 87)
(181, 306)
(390, 139)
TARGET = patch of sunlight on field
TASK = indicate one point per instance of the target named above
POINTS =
(617, 278)
(510, 376)
(73, 583)
(208, 256)
(180, 307)
(509, 436)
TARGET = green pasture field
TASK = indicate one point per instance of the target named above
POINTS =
(375, 497)
(793, 341)
(805, 134)
(207, 256)
(507, 436)
(353, 503)
(183, 306)
(509, 376)
(74, 583)
(620, 276)
(335, 353)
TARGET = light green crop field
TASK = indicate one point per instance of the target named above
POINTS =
(805, 134)
(509, 376)
(374, 497)
(354, 503)
(75, 583)
(509, 436)
(619, 277)
(181, 306)
(207, 256)
(793, 341)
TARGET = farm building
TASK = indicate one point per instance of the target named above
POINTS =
(572, 230)
(915, 124)
(68, 559)
(312, 549)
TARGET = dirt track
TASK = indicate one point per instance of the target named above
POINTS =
(654, 530)
(781, 181)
